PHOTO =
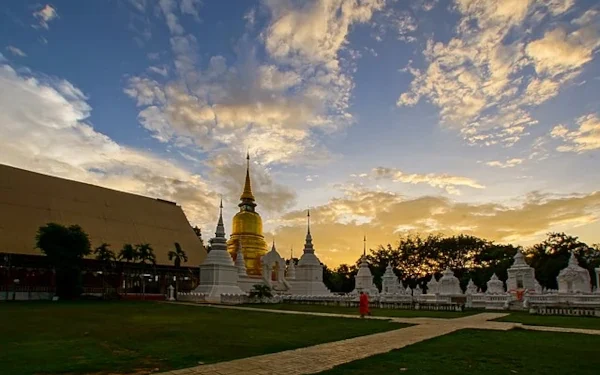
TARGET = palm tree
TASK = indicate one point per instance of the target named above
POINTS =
(145, 256)
(127, 254)
(107, 258)
(177, 256)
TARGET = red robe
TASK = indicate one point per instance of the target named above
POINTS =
(364, 304)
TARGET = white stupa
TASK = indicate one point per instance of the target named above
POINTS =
(291, 268)
(520, 275)
(471, 287)
(574, 278)
(390, 283)
(218, 274)
(239, 262)
(433, 287)
(309, 272)
(495, 285)
(449, 284)
(363, 281)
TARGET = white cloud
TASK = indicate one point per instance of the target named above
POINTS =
(45, 15)
(45, 129)
(479, 79)
(585, 138)
(273, 107)
(159, 70)
(16, 51)
(510, 163)
(444, 181)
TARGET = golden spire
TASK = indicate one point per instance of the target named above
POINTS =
(247, 194)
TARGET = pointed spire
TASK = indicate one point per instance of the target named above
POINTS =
(292, 252)
(308, 245)
(247, 196)
(220, 233)
(365, 246)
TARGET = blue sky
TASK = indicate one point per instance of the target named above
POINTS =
(473, 116)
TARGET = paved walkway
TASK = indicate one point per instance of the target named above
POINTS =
(314, 359)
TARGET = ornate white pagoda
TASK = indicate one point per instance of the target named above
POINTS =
(520, 275)
(449, 284)
(389, 282)
(471, 287)
(433, 287)
(291, 268)
(309, 273)
(363, 281)
(495, 285)
(218, 274)
(574, 278)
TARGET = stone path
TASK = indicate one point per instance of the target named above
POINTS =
(314, 359)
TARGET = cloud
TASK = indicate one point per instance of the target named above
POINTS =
(585, 138)
(559, 51)
(45, 129)
(271, 104)
(45, 15)
(16, 51)
(480, 79)
(384, 216)
(444, 181)
(510, 163)
(159, 70)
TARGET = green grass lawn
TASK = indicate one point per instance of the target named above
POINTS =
(375, 311)
(90, 337)
(489, 353)
(588, 322)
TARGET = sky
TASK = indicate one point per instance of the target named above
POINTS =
(383, 117)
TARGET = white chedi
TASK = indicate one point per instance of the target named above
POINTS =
(363, 281)
(239, 262)
(389, 282)
(520, 274)
(449, 284)
(433, 287)
(308, 273)
(574, 278)
(218, 273)
(291, 268)
(471, 287)
(495, 285)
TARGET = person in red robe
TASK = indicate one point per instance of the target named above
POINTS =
(364, 305)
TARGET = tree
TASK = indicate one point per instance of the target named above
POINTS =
(65, 248)
(107, 258)
(129, 255)
(260, 291)
(145, 256)
(198, 232)
(552, 255)
(177, 256)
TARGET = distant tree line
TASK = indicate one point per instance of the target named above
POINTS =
(416, 259)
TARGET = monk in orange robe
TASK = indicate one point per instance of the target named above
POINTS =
(364, 305)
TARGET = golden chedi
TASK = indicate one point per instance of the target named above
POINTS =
(247, 230)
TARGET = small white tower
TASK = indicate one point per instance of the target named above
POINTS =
(363, 281)
(239, 261)
(291, 268)
(574, 278)
(218, 274)
(520, 275)
(449, 284)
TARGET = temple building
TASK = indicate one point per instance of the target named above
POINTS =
(29, 200)
(247, 231)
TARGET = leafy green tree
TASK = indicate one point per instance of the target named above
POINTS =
(552, 255)
(145, 257)
(65, 247)
(128, 254)
(107, 258)
(177, 256)
(260, 291)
